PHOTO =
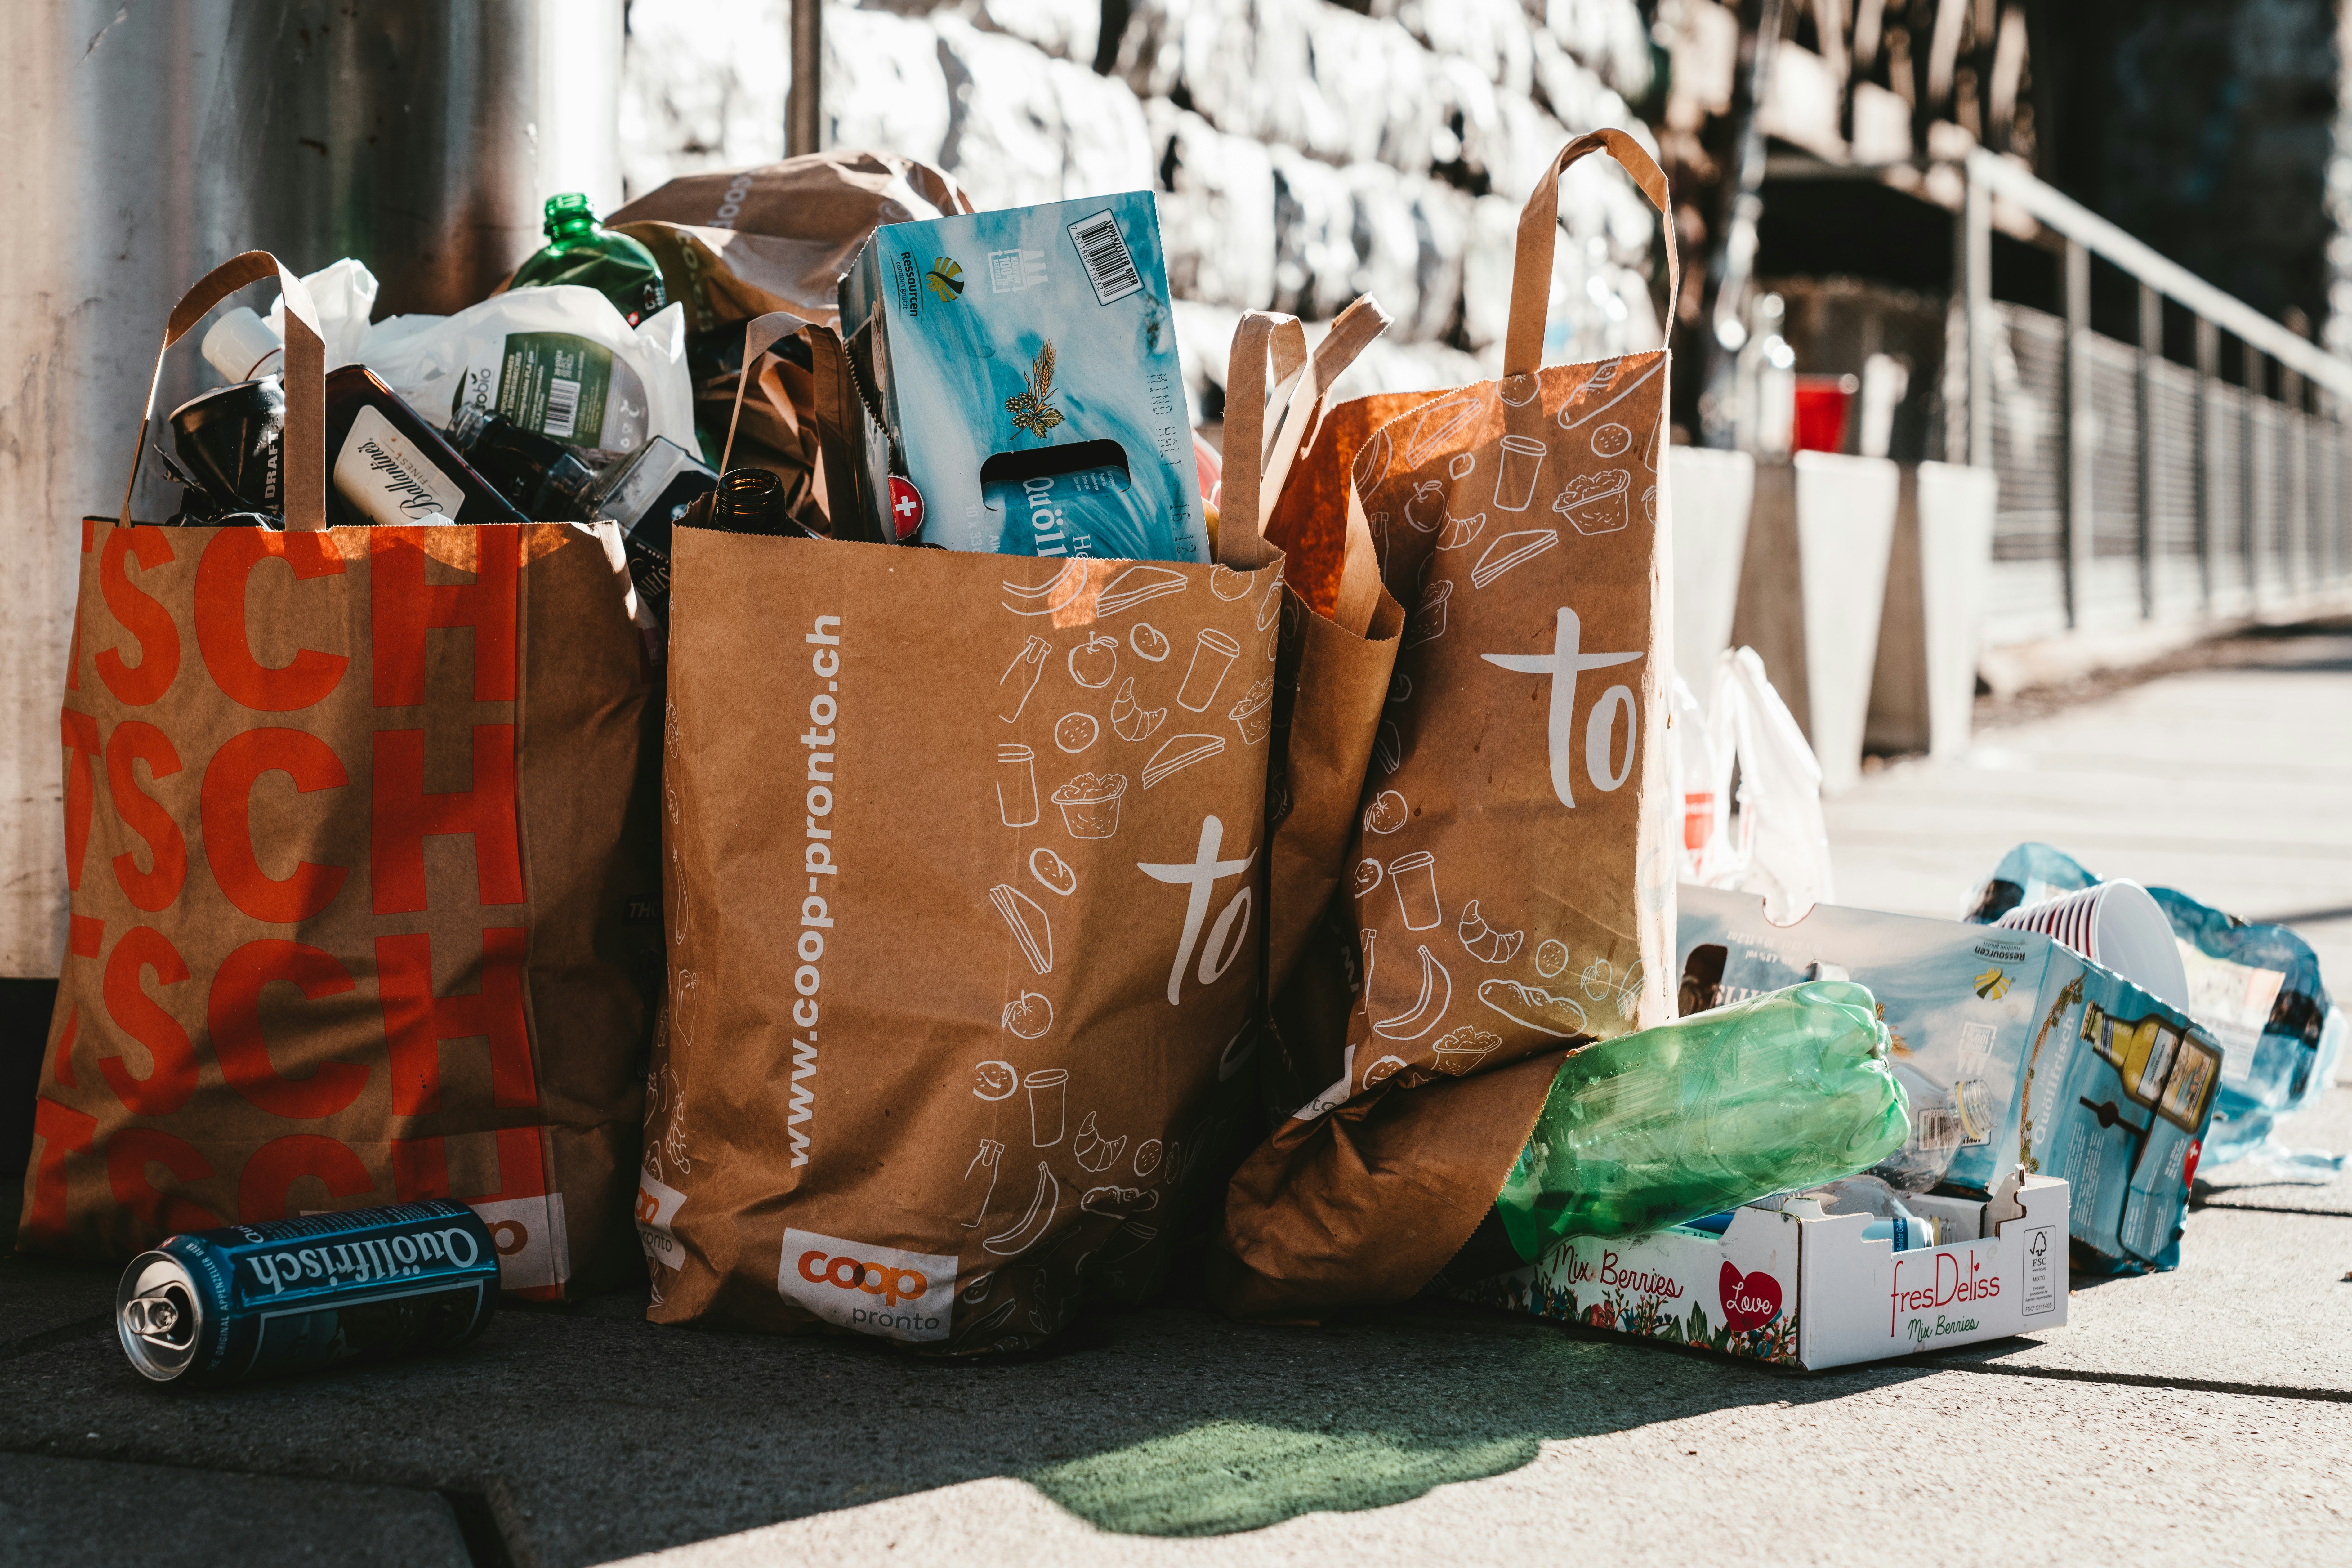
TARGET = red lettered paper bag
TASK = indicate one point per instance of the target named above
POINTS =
(345, 839)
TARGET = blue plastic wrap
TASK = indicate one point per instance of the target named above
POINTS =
(2255, 988)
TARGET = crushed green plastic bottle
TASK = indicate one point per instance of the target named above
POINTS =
(1789, 1089)
(580, 250)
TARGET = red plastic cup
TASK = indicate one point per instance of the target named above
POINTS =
(1822, 403)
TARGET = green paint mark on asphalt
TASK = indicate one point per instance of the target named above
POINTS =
(1226, 1476)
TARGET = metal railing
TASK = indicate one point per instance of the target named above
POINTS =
(2135, 488)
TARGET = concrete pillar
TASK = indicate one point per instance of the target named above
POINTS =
(1713, 492)
(1811, 589)
(1923, 686)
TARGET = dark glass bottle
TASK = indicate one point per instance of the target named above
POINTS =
(230, 443)
(386, 465)
(751, 500)
(538, 475)
(580, 250)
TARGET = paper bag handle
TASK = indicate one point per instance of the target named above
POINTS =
(1539, 238)
(304, 446)
(1256, 466)
(1351, 333)
(759, 334)
(1241, 516)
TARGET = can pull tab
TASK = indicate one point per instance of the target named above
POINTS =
(154, 1316)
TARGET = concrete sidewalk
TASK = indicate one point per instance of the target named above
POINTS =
(2204, 1415)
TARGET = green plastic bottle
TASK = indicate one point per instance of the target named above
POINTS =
(580, 250)
(1789, 1089)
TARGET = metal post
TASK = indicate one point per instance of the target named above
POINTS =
(1975, 259)
(2249, 544)
(2294, 463)
(2151, 354)
(1731, 270)
(2080, 421)
(2209, 432)
(803, 108)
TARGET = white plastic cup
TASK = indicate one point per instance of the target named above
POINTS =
(2118, 926)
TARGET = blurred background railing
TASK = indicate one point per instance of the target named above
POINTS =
(2134, 487)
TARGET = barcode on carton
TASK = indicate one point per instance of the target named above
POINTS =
(562, 408)
(1103, 252)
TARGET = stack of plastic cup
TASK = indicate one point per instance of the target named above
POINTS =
(2118, 926)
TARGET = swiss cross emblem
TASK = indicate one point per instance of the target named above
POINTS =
(906, 507)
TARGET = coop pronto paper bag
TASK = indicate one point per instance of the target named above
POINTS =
(348, 836)
(964, 883)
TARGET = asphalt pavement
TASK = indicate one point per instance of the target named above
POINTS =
(2203, 1414)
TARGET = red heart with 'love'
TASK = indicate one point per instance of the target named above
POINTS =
(1750, 1301)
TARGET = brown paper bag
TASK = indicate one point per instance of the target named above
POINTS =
(1368, 1204)
(1511, 873)
(739, 243)
(742, 243)
(965, 860)
(1511, 889)
(1340, 629)
(346, 828)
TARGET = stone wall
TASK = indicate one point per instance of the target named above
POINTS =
(1304, 153)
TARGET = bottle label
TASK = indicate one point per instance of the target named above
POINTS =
(568, 389)
(383, 476)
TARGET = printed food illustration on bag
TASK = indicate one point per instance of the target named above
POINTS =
(1502, 828)
(965, 965)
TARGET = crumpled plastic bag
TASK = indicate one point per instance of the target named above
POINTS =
(559, 360)
(344, 293)
(2255, 988)
(1779, 847)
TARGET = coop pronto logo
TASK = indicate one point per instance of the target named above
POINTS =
(874, 1289)
(846, 1273)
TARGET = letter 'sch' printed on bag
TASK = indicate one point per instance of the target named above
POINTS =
(296, 826)
(1505, 813)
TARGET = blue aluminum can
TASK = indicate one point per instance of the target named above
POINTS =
(258, 1300)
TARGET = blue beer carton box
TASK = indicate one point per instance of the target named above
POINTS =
(2014, 1050)
(1024, 370)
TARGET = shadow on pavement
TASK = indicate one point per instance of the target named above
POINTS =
(596, 1434)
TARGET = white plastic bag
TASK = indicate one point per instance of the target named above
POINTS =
(559, 360)
(344, 293)
(1779, 847)
(1699, 771)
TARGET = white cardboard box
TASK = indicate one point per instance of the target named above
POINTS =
(1801, 1288)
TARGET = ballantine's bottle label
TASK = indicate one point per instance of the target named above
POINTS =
(384, 478)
